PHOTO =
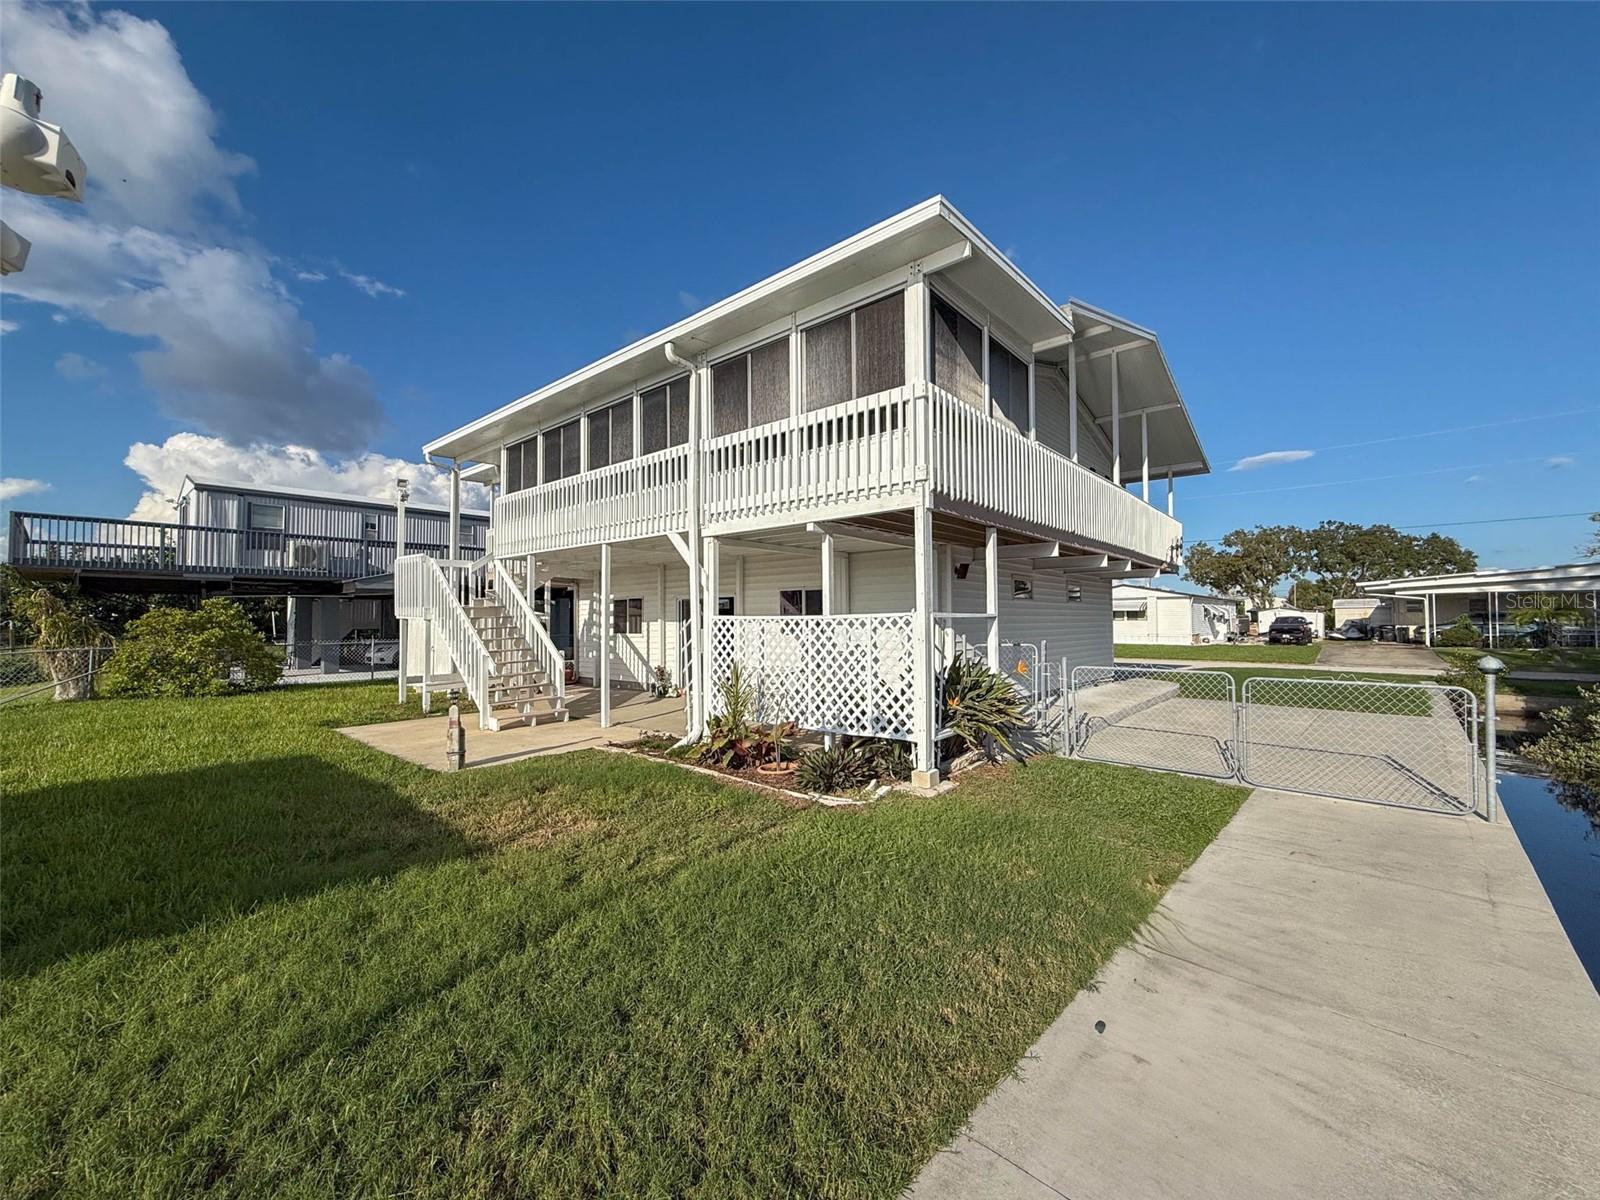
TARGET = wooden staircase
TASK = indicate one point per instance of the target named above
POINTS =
(520, 691)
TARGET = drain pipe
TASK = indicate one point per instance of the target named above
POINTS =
(697, 656)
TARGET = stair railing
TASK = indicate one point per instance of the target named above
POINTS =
(441, 591)
(529, 623)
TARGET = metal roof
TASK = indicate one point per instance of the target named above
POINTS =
(1564, 577)
(271, 490)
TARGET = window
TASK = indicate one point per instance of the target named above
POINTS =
(627, 616)
(563, 451)
(957, 353)
(1021, 587)
(750, 389)
(1136, 613)
(1413, 606)
(522, 466)
(369, 526)
(856, 354)
(267, 517)
(1008, 385)
(611, 434)
(664, 416)
(798, 602)
(724, 606)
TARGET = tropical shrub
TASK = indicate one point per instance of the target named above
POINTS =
(1570, 749)
(979, 707)
(1462, 633)
(208, 651)
(836, 769)
(733, 740)
(886, 758)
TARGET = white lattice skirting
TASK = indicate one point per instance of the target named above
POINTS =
(842, 674)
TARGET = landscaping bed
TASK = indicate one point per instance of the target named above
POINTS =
(247, 956)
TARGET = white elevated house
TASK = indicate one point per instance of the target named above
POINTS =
(1143, 614)
(894, 450)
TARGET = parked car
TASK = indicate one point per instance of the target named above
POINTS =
(1292, 631)
(363, 649)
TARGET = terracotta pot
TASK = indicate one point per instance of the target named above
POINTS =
(785, 768)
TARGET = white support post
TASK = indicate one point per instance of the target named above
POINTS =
(661, 618)
(1072, 399)
(1169, 493)
(607, 632)
(916, 326)
(988, 391)
(1427, 620)
(827, 597)
(1144, 458)
(530, 580)
(712, 555)
(427, 665)
(991, 593)
(925, 771)
(1116, 421)
(454, 550)
(401, 661)
(1033, 411)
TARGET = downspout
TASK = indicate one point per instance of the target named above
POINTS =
(697, 658)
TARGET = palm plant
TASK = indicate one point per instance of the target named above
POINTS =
(980, 708)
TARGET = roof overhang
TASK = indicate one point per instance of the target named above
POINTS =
(932, 232)
(1565, 577)
(1145, 388)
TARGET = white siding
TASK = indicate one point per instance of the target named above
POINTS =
(1054, 417)
(1076, 630)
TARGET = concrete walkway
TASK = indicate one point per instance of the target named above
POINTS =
(633, 714)
(1336, 1000)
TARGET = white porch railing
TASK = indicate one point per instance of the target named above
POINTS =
(546, 656)
(634, 499)
(851, 673)
(437, 590)
(867, 454)
(978, 462)
(864, 450)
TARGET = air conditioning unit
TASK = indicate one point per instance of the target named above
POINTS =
(308, 556)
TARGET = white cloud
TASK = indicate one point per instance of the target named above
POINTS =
(1560, 460)
(8, 326)
(1271, 458)
(12, 486)
(369, 285)
(163, 466)
(310, 276)
(60, 318)
(117, 84)
(690, 301)
(1474, 479)
(155, 253)
(76, 368)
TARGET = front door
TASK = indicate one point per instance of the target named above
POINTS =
(561, 624)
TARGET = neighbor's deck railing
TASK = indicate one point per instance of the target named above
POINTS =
(870, 453)
(53, 541)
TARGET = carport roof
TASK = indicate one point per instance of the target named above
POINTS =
(1565, 577)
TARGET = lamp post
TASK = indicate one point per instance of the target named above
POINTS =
(1491, 667)
(402, 493)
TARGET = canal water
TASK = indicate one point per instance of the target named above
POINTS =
(1564, 846)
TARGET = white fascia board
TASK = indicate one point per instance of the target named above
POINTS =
(934, 209)
(1576, 576)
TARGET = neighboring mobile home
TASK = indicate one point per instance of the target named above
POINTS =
(1421, 606)
(836, 479)
(1146, 614)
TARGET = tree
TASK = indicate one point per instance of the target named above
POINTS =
(1592, 549)
(1328, 561)
(208, 651)
(66, 635)
(1570, 751)
(1251, 562)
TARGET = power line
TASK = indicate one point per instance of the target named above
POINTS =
(1427, 433)
(1453, 524)
(1301, 487)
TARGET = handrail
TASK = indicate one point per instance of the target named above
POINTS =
(547, 654)
(635, 498)
(424, 589)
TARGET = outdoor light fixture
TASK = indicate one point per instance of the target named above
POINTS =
(35, 157)
(402, 489)
(962, 568)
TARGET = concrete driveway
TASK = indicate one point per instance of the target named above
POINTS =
(1366, 656)
(1336, 1001)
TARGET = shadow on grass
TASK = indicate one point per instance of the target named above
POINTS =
(90, 865)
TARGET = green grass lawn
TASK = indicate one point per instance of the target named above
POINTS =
(1248, 652)
(1533, 662)
(1402, 701)
(246, 956)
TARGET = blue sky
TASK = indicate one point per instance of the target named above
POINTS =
(1349, 224)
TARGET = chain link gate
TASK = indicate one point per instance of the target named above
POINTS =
(1154, 717)
(1410, 745)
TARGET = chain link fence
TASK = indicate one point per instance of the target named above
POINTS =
(29, 673)
(1160, 718)
(339, 661)
(1404, 744)
(1408, 745)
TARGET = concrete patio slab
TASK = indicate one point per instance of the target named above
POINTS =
(1336, 1000)
(423, 741)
